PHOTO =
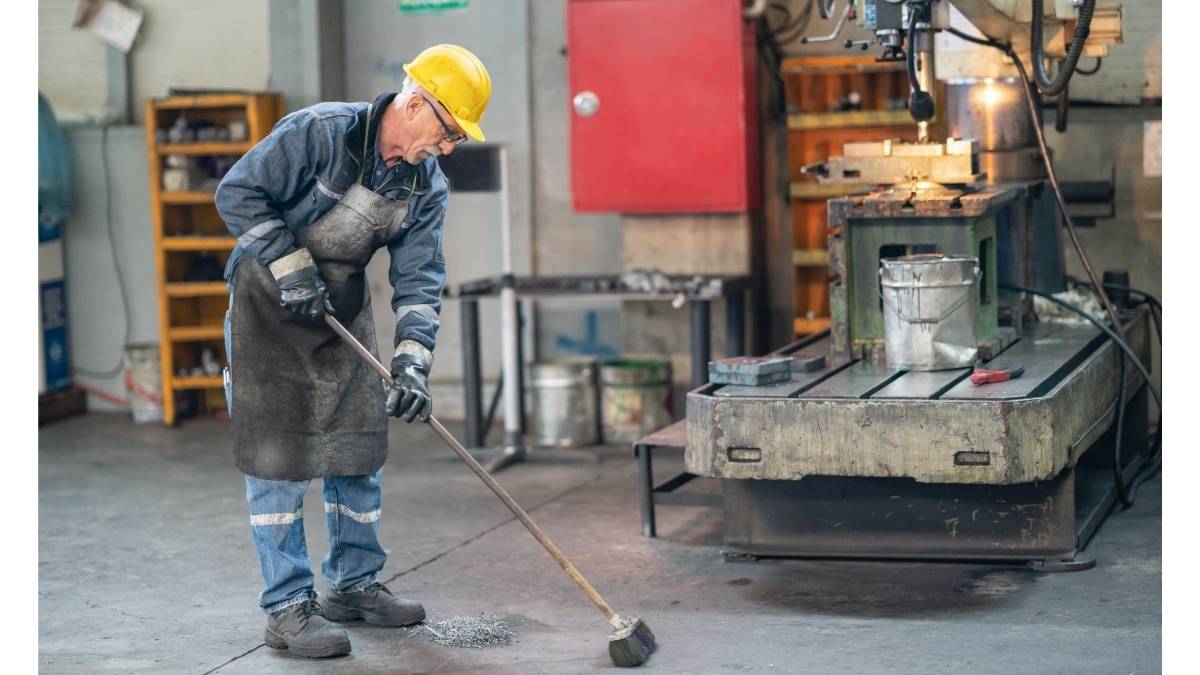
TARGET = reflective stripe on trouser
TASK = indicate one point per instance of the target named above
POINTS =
(352, 508)
(352, 504)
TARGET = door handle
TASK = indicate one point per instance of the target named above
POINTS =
(586, 103)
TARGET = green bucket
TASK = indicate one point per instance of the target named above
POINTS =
(635, 398)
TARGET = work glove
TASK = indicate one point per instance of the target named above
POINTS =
(409, 396)
(301, 288)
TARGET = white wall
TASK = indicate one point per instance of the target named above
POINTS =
(182, 43)
(190, 43)
(220, 44)
(95, 316)
(72, 70)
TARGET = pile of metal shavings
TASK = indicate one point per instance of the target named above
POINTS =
(1083, 298)
(473, 632)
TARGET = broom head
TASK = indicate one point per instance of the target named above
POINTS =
(631, 645)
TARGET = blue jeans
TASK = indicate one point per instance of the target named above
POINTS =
(352, 508)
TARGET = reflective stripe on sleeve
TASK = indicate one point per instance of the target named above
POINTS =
(426, 311)
(259, 231)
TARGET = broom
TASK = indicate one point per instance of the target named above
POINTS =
(633, 641)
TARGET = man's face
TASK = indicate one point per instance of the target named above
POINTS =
(420, 134)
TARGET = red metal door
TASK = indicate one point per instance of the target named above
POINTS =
(663, 114)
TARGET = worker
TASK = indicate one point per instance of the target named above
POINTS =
(310, 204)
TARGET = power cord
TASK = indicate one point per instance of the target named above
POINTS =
(1126, 496)
(1147, 299)
(112, 243)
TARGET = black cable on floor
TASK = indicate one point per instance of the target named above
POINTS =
(1118, 477)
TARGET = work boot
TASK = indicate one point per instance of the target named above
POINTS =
(303, 631)
(375, 604)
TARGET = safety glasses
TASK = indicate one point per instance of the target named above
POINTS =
(450, 136)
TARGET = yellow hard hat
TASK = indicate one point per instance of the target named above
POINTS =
(458, 80)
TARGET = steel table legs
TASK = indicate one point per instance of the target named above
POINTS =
(701, 347)
(646, 487)
(735, 324)
(472, 379)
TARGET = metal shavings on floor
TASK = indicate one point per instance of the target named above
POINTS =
(471, 631)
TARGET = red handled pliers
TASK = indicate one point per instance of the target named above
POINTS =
(988, 376)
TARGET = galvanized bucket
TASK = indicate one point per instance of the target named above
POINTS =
(929, 311)
(635, 398)
(564, 402)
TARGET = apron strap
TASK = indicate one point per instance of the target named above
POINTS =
(362, 164)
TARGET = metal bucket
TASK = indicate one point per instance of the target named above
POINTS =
(564, 402)
(929, 311)
(143, 382)
(635, 398)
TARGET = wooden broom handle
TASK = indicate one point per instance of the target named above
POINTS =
(487, 480)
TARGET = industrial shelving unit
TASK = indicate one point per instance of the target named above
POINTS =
(816, 87)
(191, 243)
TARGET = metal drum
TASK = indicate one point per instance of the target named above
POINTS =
(929, 311)
(635, 398)
(564, 402)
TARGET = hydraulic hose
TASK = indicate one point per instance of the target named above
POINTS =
(1083, 27)
(1118, 479)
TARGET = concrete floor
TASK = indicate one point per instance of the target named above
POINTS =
(146, 565)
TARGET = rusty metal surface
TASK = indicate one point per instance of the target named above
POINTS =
(890, 518)
(823, 516)
(924, 204)
(977, 440)
(935, 214)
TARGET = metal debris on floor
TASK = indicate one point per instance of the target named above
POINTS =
(471, 631)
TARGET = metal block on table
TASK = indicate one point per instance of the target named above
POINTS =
(807, 364)
(750, 370)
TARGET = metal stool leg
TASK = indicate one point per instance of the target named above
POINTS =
(701, 350)
(646, 488)
(735, 325)
(472, 389)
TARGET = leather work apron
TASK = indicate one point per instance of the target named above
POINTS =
(304, 404)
